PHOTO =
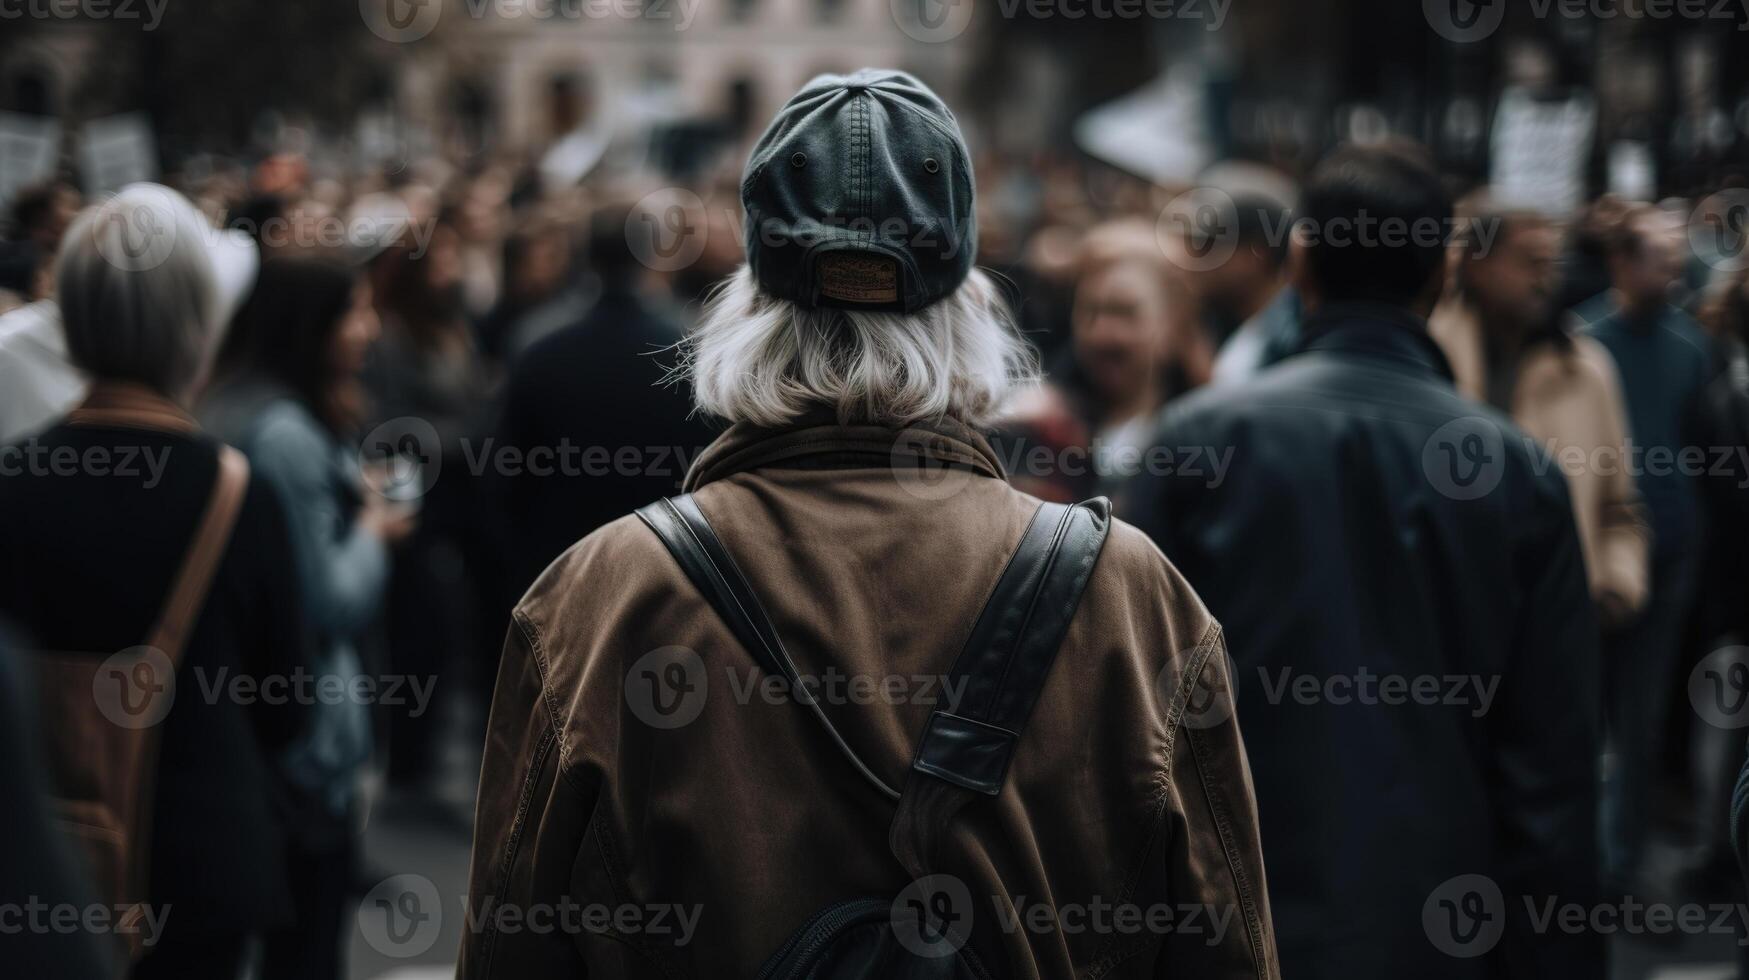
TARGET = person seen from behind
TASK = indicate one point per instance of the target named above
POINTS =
(858, 357)
(1408, 609)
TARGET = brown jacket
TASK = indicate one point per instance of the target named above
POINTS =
(638, 766)
(1568, 400)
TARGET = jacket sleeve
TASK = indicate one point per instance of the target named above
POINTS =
(1624, 535)
(1546, 732)
(343, 569)
(1214, 855)
(528, 832)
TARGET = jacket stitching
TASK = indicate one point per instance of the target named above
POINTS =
(1111, 954)
(549, 699)
(604, 846)
(513, 844)
(1223, 823)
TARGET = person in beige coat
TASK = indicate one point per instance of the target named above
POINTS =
(1508, 347)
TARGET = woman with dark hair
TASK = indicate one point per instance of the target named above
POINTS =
(289, 396)
(428, 368)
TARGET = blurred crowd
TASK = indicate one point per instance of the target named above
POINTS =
(442, 378)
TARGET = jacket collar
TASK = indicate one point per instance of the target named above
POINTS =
(129, 405)
(819, 440)
(1372, 330)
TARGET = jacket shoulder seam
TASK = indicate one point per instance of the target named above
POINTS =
(537, 649)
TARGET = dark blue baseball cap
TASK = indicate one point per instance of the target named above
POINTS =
(859, 196)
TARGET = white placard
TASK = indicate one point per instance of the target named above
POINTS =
(29, 147)
(1540, 151)
(117, 151)
(1633, 174)
(1158, 131)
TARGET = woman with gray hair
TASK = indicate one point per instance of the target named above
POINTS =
(134, 554)
(829, 740)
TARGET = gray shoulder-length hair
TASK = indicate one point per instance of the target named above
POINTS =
(754, 358)
(138, 290)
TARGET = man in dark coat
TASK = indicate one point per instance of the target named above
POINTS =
(1401, 578)
(590, 430)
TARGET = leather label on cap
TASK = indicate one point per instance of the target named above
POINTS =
(858, 277)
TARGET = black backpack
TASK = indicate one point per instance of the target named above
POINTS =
(960, 757)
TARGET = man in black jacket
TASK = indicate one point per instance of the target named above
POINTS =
(1400, 577)
(590, 431)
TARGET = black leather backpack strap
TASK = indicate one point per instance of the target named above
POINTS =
(965, 753)
(700, 553)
